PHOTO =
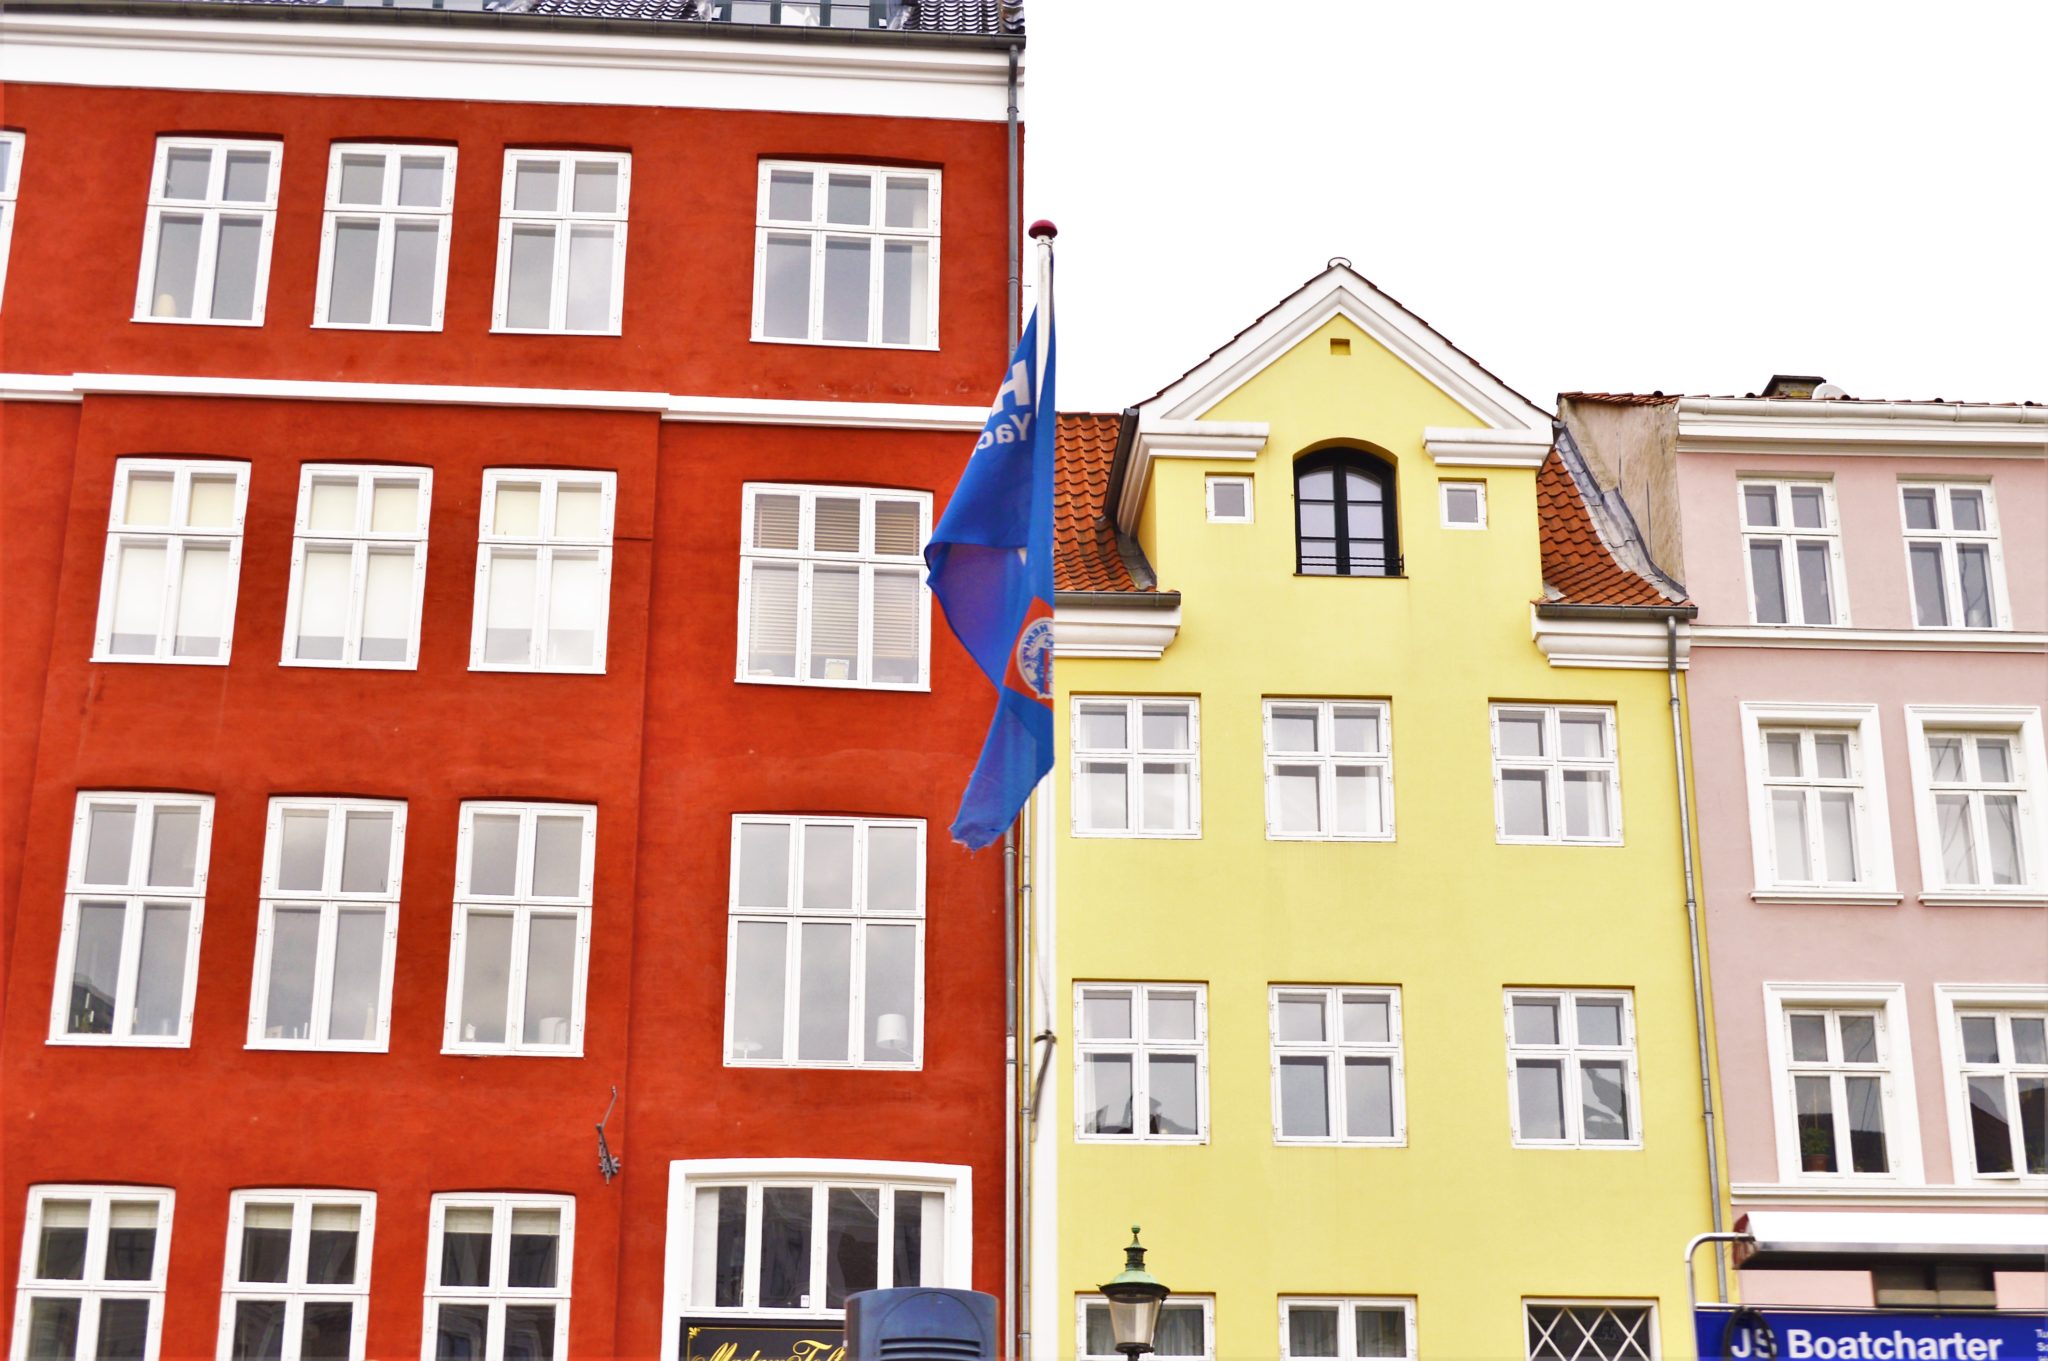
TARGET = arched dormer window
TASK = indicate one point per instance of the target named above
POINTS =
(1344, 519)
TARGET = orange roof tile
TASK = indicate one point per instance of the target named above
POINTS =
(1577, 566)
(1086, 556)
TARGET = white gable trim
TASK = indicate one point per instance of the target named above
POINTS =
(1225, 441)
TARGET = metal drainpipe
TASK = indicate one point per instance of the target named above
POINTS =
(1692, 940)
(1012, 1248)
(1015, 219)
(1020, 1125)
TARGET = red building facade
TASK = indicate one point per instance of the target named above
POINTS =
(466, 653)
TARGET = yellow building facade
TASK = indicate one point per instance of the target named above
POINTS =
(1360, 879)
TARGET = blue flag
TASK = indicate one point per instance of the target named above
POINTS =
(991, 568)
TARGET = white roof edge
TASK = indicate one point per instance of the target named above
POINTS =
(1809, 409)
(1835, 1230)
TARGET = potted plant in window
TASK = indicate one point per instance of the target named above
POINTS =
(1816, 1149)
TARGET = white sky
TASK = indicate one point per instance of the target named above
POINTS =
(1626, 197)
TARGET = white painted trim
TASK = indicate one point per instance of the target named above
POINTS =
(1347, 1326)
(1113, 629)
(1084, 1301)
(1825, 1230)
(296, 1294)
(497, 1296)
(1867, 640)
(1444, 487)
(1902, 1106)
(1612, 644)
(1654, 1327)
(2022, 723)
(1948, 997)
(94, 1288)
(1836, 897)
(678, 68)
(1873, 820)
(1334, 1049)
(1140, 1047)
(1916, 1197)
(955, 1179)
(829, 415)
(1216, 441)
(1571, 1055)
(1132, 756)
(1459, 448)
(1215, 480)
(1758, 425)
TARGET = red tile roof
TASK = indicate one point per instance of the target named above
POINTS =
(1085, 552)
(1578, 569)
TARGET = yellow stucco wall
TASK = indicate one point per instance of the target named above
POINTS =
(1458, 1219)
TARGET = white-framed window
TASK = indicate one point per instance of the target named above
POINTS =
(498, 1269)
(1337, 1072)
(792, 1238)
(1792, 552)
(1137, 766)
(384, 242)
(1186, 1328)
(1842, 1084)
(13, 145)
(832, 587)
(1817, 802)
(1329, 770)
(134, 896)
(1555, 774)
(562, 242)
(847, 255)
(543, 571)
(1463, 503)
(1977, 790)
(1994, 1047)
(1230, 499)
(1349, 1327)
(206, 241)
(1141, 1062)
(92, 1273)
(826, 943)
(174, 559)
(296, 1286)
(328, 929)
(1953, 558)
(1591, 1330)
(359, 567)
(521, 947)
(1572, 1068)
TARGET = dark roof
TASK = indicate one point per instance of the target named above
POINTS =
(968, 17)
(1088, 554)
(1578, 567)
(1663, 398)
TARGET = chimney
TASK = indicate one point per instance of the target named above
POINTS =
(1792, 385)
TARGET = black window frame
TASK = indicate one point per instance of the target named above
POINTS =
(1377, 470)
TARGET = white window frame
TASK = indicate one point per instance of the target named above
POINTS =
(1326, 759)
(818, 230)
(360, 542)
(1335, 1049)
(1948, 539)
(498, 1295)
(135, 894)
(794, 914)
(544, 546)
(1140, 1048)
(686, 1176)
(1443, 497)
(522, 907)
(94, 1289)
(1880, 886)
(210, 210)
(1205, 1303)
(1133, 759)
(175, 538)
(16, 143)
(1782, 533)
(2020, 723)
(563, 221)
(329, 902)
(1902, 1107)
(1951, 1001)
(808, 558)
(295, 1292)
(1555, 764)
(1569, 1052)
(1216, 517)
(1653, 1325)
(1347, 1307)
(387, 216)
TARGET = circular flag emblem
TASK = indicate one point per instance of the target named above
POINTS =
(1034, 656)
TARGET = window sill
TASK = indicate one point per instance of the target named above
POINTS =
(1085, 834)
(311, 664)
(317, 1047)
(1282, 1141)
(614, 333)
(1598, 1146)
(511, 669)
(1500, 840)
(130, 659)
(922, 687)
(1168, 1140)
(843, 344)
(127, 1042)
(475, 1051)
(196, 321)
(2024, 897)
(1350, 576)
(779, 1066)
(1844, 897)
(372, 326)
(1311, 838)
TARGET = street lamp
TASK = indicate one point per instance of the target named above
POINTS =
(1134, 1296)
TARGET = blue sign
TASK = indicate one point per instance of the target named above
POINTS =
(1742, 1334)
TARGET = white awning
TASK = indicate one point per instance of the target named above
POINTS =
(1812, 1238)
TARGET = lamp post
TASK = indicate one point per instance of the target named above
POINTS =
(1134, 1296)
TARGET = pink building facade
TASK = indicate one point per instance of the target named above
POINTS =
(1867, 679)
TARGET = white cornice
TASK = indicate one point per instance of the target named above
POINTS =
(504, 63)
(1918, 1197)
(1867, 640)
(1158, 438)
(1608, 644)
(1113, 629)
(39, 387)
(1450, 448)
(1754, 425)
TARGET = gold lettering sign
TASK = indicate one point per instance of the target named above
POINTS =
(712, 1342)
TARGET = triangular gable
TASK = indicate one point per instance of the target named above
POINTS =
(1343, 291)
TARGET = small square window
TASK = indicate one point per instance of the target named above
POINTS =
(1230, 500)
(1464, 504)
